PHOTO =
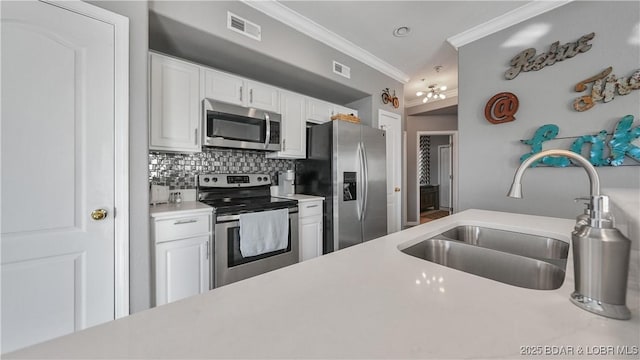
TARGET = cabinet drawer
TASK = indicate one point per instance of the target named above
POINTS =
(310, 208)
(183, 227)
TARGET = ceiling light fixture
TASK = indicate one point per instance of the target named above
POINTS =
(434, 93)
(401, 31)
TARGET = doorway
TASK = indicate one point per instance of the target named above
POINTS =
(391, 123)
(64, 264)
(444, 175)
(436, 164)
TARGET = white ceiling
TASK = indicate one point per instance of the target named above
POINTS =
(369, 26)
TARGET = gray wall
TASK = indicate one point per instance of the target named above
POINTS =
(366, 109)
(415, 124)
(139, 245)
(489, 154)
(196, 30)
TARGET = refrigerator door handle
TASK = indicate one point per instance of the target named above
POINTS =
(359, 182)
(365, 182)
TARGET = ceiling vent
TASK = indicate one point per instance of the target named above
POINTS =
(341, 70)
(244, 27)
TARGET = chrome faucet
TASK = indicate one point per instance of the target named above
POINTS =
(600, 251)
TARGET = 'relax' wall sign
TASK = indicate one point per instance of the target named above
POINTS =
(527, 59)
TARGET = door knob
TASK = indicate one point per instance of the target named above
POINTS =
(397, 189)
(99, 214)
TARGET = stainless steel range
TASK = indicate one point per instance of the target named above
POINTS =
(232, 196)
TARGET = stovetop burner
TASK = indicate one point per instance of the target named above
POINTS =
(249, 204)
(239, 193)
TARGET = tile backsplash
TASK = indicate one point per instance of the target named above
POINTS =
(178, 171)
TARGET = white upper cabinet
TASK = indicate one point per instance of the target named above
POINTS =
(293, 127)
(239, 91)
(337, 109)
(319, 111)
(223, 87)
(177, 89)
(262, 96)
(174, 97)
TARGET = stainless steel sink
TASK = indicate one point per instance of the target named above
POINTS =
(509, 241)
(524, 260)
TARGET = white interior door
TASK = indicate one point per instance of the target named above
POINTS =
(57, 168)
(391, 123)
(444, 175)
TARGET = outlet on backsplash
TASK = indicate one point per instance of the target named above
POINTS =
(158, 194)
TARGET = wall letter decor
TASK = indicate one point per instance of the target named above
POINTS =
(525, 61)
(544, 133)
(501, 108)
(620, 145)
(603, 88)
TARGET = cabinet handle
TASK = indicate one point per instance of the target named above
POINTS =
(240, 93)
(251, 96)
(284, 144)
(196, 137)
(207, 249)
(311, 206)
(181, 222)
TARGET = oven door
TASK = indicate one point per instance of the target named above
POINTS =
(230, 266)
(233, 126)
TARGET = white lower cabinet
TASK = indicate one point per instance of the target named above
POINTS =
(310, 225)
(182, 269)
(182, 255)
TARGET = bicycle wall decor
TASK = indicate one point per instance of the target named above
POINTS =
(387, 98)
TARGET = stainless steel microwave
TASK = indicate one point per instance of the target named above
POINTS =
(232, 126)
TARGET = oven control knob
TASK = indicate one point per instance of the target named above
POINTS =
(215, 179)
(259, 179)
(206, 179)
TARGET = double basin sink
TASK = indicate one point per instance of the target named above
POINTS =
(524, 260)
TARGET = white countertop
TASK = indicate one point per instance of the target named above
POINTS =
(301, 197)
(171, 209)
(367, 301)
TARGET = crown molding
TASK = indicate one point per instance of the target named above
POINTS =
(504, 21)
(295, 20)
(415, 102)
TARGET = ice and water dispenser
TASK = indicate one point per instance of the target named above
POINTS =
(349, 186)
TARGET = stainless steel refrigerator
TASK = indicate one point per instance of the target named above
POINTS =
(346, 163)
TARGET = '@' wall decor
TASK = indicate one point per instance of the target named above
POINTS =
(622, 143)
(501, 108)
(604, 87)
(527, 59)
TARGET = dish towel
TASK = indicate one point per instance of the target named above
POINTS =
(263, 232)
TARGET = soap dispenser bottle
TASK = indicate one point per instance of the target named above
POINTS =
(600, 262)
